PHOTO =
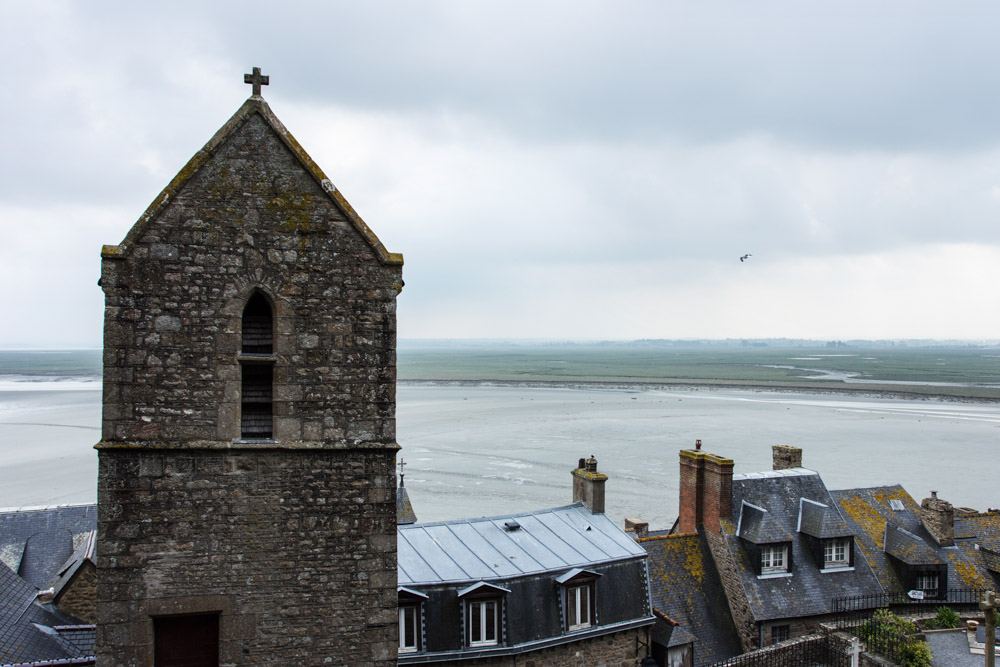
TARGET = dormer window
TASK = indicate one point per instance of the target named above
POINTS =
(483, 622)
(773, 558)
(410, 612)
(578, 607)
(483, 609)
(836, 553)
(257, 370)
(578, 589)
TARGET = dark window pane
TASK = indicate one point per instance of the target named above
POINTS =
(257, 326)
(475, 622)
(491, 621)
(256, 414)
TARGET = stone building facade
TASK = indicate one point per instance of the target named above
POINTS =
(246, 490)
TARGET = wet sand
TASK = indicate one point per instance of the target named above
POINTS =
(489, 449)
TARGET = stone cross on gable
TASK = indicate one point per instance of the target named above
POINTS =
(257, 80)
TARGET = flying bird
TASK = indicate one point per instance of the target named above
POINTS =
(745, 257)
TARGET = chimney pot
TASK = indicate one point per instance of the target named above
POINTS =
(697, 445)
(934, 494)
(637, 526)
(784, 457)
(588, 485)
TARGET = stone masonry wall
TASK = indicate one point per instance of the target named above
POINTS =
(619, 649)
(251, 218)
(739, 606)
(288, 546)
(80, 597)
(292, 542)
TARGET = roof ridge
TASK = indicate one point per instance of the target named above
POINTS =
(652, 538)
(489, 518)
(253, 105)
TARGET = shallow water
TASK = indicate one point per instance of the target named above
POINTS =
(475, 450)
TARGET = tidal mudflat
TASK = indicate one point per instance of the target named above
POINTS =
(483, 449)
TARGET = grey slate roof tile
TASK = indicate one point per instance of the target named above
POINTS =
(907, 547)
(758, 526)
(868, 511)
(23, 624)
(36, 542)
(821, 521)
(685, 586)
(808, 592)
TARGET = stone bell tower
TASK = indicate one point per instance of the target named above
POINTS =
(246, 490)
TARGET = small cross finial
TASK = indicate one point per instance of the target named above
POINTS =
(402, 464)
(257, 80)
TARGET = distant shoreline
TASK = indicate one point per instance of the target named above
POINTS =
(953, 394)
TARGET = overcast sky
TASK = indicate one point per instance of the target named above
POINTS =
(549, 169)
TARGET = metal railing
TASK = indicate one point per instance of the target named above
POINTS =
(869, 603)
(810, 651)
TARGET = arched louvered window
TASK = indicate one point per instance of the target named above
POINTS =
(256, 413)
(258, 326)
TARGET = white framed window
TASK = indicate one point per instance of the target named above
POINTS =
(837, 552)
(409, 628)
(578, 607)
(779, 633)
(928, 583)
(773, 558)
(483, 622)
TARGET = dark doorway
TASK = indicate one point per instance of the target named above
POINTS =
(186, 641)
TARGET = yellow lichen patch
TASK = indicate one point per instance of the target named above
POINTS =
(682, 548)
(294, 211)
(866, 517)
(966, 572)
(899, 494)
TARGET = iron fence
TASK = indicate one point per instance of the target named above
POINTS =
(869, 603)
(811, 651)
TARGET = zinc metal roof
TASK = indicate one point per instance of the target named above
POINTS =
(547, 540)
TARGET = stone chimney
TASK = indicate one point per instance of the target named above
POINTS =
(706, 493)
(938, 517)
(637, 526)
(588, 485)
(786, 456)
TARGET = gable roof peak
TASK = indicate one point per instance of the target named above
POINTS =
(254, 105)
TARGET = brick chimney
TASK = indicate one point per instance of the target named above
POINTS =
(938, 517)
(588, 485)
(786, 456)
(706, 490)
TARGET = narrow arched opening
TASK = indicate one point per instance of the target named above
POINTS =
(258, 326)
(257, 370)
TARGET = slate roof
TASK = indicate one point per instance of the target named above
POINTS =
(868, 511)
(808, 592)
(909, 548)
(28, 630)
(404, 508)
(821, 521)
(469, 550)
(36, 542)
(755, 524)
(685, 586)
